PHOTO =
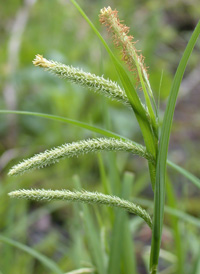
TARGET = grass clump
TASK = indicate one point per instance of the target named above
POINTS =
(155, 147)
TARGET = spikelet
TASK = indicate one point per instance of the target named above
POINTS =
(121, 39)
(84, 197)
(95, 83)
(52, 156)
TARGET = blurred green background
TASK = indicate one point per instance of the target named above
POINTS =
(56, 30)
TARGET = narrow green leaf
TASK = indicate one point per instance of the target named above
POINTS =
(118, 234)
(159, 198)
(196, 264)
(128, 250)
(171, 211)
(99, 130)
(187, 174)
(104, 180)
(66, 120)
(92, 235)
(43, 259)
(174, 221)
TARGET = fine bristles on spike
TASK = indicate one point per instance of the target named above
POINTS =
(84, 197)
(78, 148)
(95, 83)
(121, 39)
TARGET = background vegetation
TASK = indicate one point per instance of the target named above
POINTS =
(57, 229)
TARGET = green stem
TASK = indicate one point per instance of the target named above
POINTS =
(159, 198)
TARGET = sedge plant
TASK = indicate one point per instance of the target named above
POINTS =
(128, 93)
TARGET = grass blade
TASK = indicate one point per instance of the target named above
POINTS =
(118, 235)
(187, 174)
(162, 153)
(66, 120)
(129, 256)
(171, 211)
(99, 130)
(92, 235)
(174, 221)
(196, 264)
(43, 259)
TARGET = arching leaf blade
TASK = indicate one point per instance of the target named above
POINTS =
(32, 252)
(159, 198)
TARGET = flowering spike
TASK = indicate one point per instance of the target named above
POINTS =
(95, 83)
(52, 156)
(84, 197)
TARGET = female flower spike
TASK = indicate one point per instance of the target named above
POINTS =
(84, 197)
(52, 156)
(95, 83)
